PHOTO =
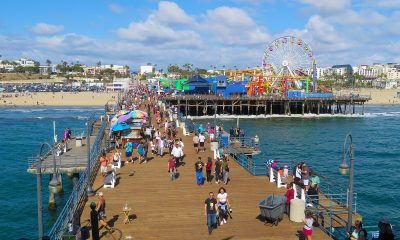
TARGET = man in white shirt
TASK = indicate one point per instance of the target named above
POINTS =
(202, 139)
(177, 153)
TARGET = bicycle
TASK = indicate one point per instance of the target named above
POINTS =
(111, 233)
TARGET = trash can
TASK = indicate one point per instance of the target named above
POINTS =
(272, 209)
(78, 141)
(297, 207)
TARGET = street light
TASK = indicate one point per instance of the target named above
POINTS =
(344, 169)
(215, 103)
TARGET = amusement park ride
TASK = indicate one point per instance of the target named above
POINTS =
(288, 65)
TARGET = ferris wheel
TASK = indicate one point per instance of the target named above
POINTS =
(289, 56)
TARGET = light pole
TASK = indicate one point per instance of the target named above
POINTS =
(344, 169)
(89, 190)
(215, 103)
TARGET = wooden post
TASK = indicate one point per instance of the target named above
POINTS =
(270, 108)
(362, 113)
(318, 106)
(302, 108)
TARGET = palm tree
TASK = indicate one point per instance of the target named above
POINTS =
(48, 62)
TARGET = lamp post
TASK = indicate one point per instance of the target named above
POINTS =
(215, 103)
(344, 169)
(89, 190)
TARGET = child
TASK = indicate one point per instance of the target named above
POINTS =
(308, 225)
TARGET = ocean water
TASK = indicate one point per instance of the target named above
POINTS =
(22, 130)
(315, 140)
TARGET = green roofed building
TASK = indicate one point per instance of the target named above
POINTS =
(177, 84)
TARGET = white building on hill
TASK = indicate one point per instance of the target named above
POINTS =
(147, 69)
(25, 62)
(118, 84)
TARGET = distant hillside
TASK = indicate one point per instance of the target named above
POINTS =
(21, 76)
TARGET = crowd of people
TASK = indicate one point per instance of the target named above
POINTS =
(160, 135)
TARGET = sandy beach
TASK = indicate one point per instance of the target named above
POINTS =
(378, 96)
(57, 99)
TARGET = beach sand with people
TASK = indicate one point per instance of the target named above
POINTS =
(57, 98)
(378, 96)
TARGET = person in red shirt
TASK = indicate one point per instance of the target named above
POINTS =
(289, 196)
(208, 169)
(172, 168)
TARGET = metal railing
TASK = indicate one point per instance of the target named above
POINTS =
(244, 142)
(73, 203)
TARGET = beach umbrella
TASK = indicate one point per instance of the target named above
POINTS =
(138, 114)
(124, 118)
(122, 112)
(120, 127)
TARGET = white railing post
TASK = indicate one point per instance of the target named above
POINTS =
(271, 175)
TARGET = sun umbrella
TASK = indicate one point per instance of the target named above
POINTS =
(120, 127)
(124, 118)
(122, 112)
(138, 114)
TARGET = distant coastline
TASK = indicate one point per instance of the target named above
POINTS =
(56, 99)
(379, 97)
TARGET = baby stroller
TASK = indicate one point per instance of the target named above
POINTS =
(224, 212)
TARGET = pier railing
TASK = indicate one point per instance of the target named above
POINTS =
(73, 204)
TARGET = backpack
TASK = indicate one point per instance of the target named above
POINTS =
(365, 232)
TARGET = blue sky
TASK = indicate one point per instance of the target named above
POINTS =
(202, 32)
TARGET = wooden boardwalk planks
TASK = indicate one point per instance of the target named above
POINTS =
(175, 210)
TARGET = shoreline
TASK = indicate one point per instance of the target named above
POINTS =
(385, 97)
(46, 99)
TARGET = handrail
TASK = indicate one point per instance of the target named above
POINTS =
(72, 205)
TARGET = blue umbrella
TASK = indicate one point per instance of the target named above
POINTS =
(120, 127)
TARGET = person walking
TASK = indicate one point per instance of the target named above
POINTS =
(196, 143)
(218, 171)
(172, 168)
(145, 150)
(211, 211)
(128, 151)
(208, 169)
(289, 196)
(176, 152)
(308, 225)
(202, 139)
(225, 170)
(101, 210)
(223, 205)
(140, 152)
(199, 171)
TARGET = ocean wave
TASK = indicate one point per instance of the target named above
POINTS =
(25, 110)
(357, 115)
(227, 116)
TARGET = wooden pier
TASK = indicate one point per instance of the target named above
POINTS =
(204, 105)
(164, 209)
(72, 161)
